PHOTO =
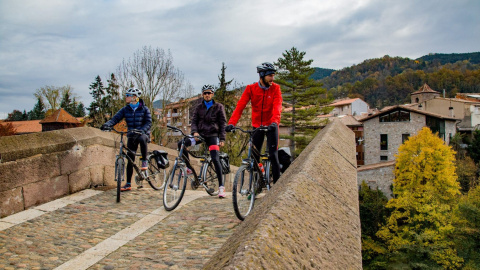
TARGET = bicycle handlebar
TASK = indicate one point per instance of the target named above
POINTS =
(251, 131)
(185, 135)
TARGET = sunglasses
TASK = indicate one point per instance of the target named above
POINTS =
(207, 93)
(129, 95)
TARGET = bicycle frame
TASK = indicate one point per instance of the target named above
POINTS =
(123, 154)
(252, 162)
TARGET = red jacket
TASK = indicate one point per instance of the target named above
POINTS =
(266, 105)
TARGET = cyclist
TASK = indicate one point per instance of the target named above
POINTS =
(209, 121)
(138, 117)
(266, 101)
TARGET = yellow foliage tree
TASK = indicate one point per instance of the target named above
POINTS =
(419, 231)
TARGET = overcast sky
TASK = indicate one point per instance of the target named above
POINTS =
(70, 42)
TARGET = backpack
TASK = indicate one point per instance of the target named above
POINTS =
(225, 162)
(285, 158)
(161, 158)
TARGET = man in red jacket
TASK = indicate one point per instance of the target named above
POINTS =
(266, 101)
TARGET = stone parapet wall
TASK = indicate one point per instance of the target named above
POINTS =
(38, 168)
(310, 219)
(41, 167)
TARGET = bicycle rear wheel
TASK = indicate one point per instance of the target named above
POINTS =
(210, 179)
(243, 192)
(156, 175)
(119, 175)
(175, 187)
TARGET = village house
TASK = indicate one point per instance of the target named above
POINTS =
(353, 106)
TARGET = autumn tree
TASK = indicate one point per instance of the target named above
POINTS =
(53, 95)
(418, 233)
(304, 95)
(7, 129)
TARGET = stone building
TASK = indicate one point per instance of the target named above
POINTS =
(353, 106)
(385, 131)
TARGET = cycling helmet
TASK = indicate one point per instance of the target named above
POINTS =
(265, 69)
(208, 87)
(134, 91)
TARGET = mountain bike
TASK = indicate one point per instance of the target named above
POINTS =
(154, 175)
(178, 176)
(252, 176)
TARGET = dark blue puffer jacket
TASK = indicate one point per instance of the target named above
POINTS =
(136, 119)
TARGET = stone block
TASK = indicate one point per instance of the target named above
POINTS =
(80, 157)
(79, 180)
(96, 175)
(29, 170)
(45, 191)
(11, 202)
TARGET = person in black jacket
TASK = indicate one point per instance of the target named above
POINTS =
(138, 118)
(208, 121)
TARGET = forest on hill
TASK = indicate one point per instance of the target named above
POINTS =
(389, 80)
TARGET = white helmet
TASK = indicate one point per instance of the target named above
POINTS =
(134, 91)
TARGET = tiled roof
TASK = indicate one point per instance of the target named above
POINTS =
(408, 108)
(29, 126)
(424, 89)
(344, 102)
(60, 116)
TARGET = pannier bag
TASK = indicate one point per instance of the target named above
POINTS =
(162, 158)
(285, 158)
(225, 161)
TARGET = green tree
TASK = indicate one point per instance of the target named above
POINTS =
(418, 233)
(468, 229)
(303, 94)
(373, 215)
(38, 111)
(70, 104)
(17, 115)
(112, 102)
(96, 109)
(474, 147)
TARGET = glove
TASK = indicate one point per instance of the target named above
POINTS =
(229, 128)
(105, 127)
(272, 126)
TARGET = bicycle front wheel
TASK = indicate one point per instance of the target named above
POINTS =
(156, 175)
(243, 194)
(119, 174)
(210, 179)
(175, 187)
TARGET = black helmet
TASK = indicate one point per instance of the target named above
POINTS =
(208, 87)
(265, 69)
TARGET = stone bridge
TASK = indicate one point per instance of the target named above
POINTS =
(58, 211)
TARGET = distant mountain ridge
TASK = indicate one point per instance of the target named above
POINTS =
(390, 80)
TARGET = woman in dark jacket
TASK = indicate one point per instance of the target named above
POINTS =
(208, 121)
(138, 118)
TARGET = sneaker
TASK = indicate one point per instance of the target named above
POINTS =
(221, 192)
(127, 187)
(144, 165)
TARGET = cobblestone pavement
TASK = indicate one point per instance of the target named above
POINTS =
(97, 233)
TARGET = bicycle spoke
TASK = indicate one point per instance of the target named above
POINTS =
(174, 188)
(156, 175)
(242, 193)
(210, 179)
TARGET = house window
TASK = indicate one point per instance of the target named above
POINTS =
(436, 125)
(383, 142)
(383, 158)
(405, 137)
(396, 116)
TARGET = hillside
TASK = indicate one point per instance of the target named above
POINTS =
(390, 80)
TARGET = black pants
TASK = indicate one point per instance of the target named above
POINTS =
(213, 153)
(132, 144)
(272, 147)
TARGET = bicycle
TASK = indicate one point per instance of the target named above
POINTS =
(178, 177)
(154, 175)
(245, 189)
